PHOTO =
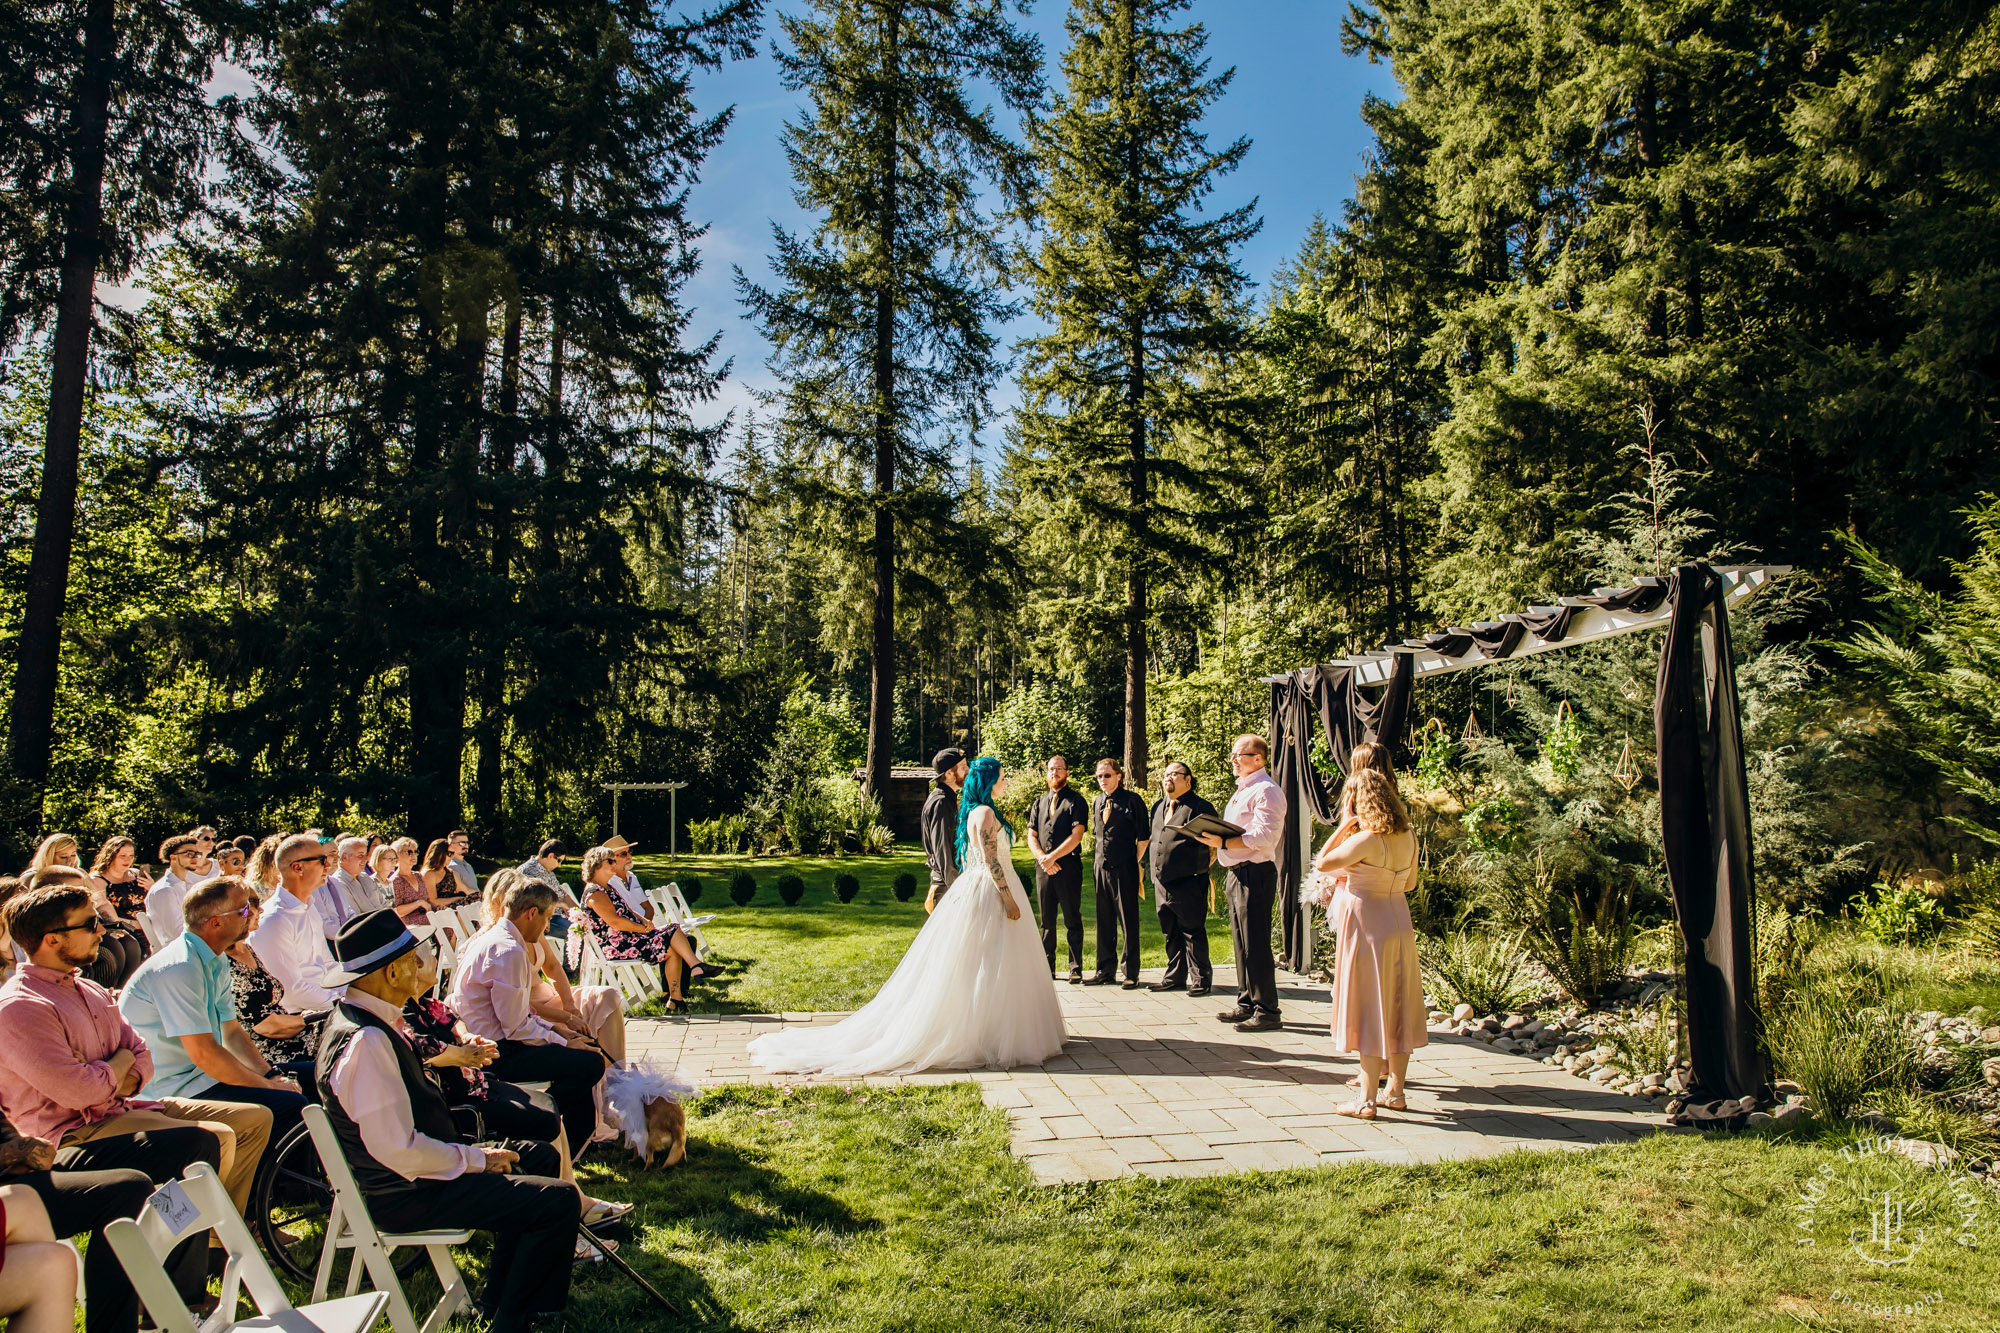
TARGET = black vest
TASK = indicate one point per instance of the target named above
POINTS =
(428, 1108)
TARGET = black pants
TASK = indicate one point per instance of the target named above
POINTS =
(509, 1114)
(80, 1201)
(159, 1155)
(1062, 891)
(1117, 879)
(119, 953)
(1183, 912)
(572, 1077)
(1252, 888)
(286, 1107)
(533, 1218)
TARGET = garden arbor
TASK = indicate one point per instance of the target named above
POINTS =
(1704, 799)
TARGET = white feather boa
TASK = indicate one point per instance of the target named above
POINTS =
(626, 1092)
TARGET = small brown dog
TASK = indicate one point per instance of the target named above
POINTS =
(666, 1129)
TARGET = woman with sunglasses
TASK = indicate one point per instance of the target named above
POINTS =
(123, 947)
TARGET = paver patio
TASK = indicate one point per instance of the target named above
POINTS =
(1151, 1084)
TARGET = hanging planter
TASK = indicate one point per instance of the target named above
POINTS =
(1433, 756)
(1472, 735)
(1563, 746)
(1627, 772)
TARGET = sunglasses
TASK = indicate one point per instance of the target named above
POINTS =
(95, 925)
(311, 860)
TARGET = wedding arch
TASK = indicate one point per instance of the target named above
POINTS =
(1704, 798)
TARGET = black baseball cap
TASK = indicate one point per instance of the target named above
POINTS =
(947, 759)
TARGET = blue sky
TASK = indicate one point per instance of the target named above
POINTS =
(1296, 96)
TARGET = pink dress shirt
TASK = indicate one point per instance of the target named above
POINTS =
(494, 986)
(1258, 808)
(62, 1030)
(368, 1084)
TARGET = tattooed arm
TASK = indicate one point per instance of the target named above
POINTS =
(984, 841)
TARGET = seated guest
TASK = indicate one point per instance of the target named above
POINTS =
(458, 1060)
(262, 867)
(37, 1275)
(331, 901)
(358, 891)
(232, 860)
(205, 866)
(289, 940)
(493, 991)
(289, 1042)
(86, 1201)
(245, 844)
(542, 867)
(75, 1066)
(597, 1012)
(123, 948)
(441, 887)
(116, 874)
(412, 892)
(625, 880)
(10, 886)
(183, 1007)
(406, 1152)
(163, 900)
(460, 844)
(623, 933)
(382, 871)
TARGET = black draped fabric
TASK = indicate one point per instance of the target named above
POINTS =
(1347, 717)
(1499, 641)
(1705, 828)
(1549, 626)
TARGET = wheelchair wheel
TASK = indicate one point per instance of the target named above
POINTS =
(291, 1202)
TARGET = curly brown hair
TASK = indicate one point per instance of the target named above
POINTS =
(1377, 806)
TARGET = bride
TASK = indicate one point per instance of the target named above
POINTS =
(973, 992)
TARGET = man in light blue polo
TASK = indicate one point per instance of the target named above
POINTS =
(181, 1005)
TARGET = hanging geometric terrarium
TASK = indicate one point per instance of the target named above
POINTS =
(1627, 771)
(1472, 735)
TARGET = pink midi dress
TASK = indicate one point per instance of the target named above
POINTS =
(1378, 985)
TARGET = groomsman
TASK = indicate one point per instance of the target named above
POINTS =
(1180, 864)
(939, 822)
(1119, 816)
(1258, 808)
(1056, 822)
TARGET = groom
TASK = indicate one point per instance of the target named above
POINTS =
(939, 823)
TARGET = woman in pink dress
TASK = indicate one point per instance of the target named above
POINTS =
(1378, 988)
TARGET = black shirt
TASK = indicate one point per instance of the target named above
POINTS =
(1173, 855)
(1120, 817)
(1053, 817)
(939, 824)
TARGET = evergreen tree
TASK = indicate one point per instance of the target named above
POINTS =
(1141, 291)
(108, 129)
(881, 317)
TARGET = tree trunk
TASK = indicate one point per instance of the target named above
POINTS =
(1135, 577)
(32, 724)
(489, 729)
(882, 664)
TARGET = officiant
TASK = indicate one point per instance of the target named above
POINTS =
(1179, 864)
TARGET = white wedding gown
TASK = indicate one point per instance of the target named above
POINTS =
(973, 992)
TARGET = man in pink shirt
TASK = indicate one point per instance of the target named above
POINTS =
(492, 990)
(74, 1065)
(1258, 808)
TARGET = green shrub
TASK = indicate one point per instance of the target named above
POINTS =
(790, 889)
(1573, 909)
(1901, 914)
(690, 889)
(878, 840)
(718, 836)
(1843, 1055)
(906, 887)
(742, 888)
(1644, 1043)
(845, 886)
(1483, 970)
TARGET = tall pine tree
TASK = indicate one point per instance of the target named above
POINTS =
(882, 319)
(1141, 290)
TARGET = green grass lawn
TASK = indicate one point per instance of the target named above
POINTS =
(827, 955)
(873, 1209)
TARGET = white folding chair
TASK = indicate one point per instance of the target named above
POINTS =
(146, 929)
(684, 913)
(349, 1227)
(637, 982)
(197, 1203)
(71, 1246)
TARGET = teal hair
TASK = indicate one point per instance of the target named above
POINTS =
(978, 791)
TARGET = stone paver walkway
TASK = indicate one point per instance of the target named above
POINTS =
(1152, 1084)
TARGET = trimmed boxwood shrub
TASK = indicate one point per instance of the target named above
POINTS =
(742, 888)
(906, 887)
(791, 888)
(845, 886)
(690, 889)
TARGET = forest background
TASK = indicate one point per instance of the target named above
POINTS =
(394, 512)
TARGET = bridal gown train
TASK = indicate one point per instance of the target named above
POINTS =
(973, 992)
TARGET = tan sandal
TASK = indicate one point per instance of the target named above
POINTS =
(1363, 1110)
